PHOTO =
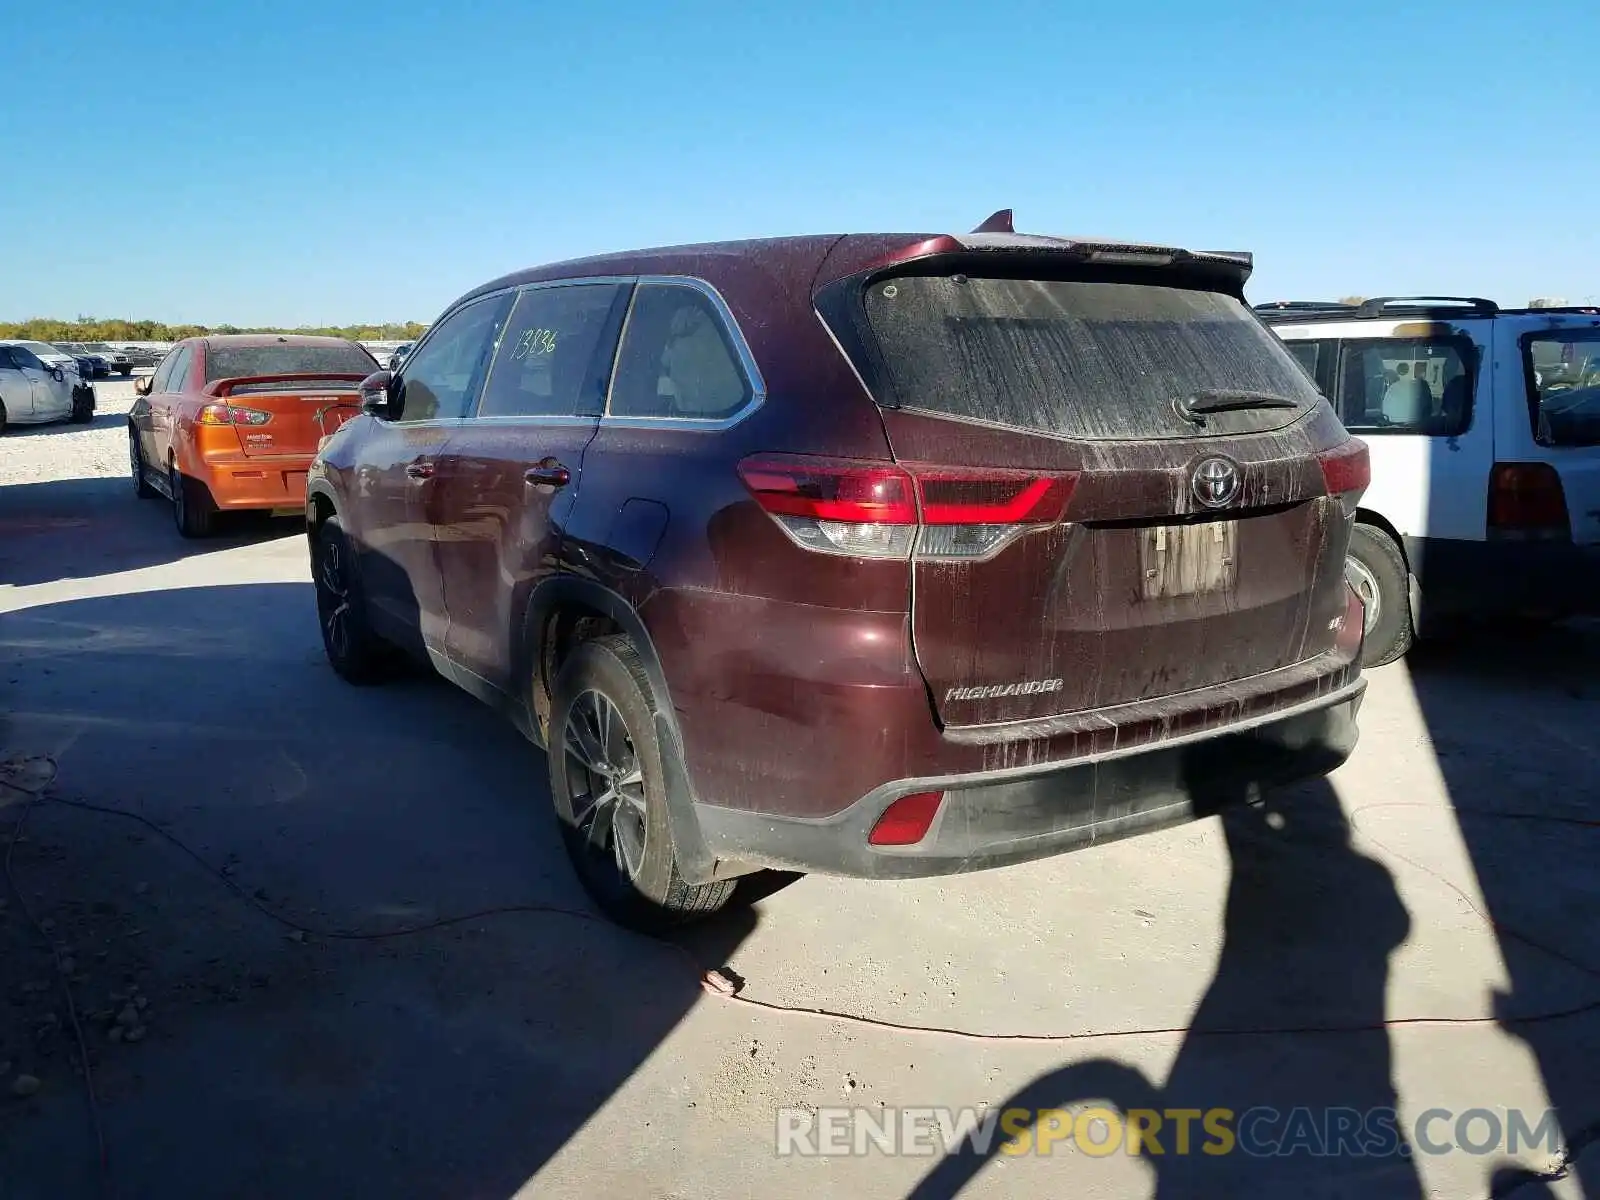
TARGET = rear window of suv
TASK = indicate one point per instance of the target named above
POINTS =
(1083, 359)
(235, 362)
(1562, 367)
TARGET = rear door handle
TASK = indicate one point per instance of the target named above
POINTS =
(420, 470)
(552, 475)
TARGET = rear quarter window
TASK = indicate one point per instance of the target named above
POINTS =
(1081, 359)
(1562, 372)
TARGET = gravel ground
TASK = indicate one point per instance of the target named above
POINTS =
(1381, 940)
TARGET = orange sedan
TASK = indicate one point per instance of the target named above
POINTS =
(232, 422)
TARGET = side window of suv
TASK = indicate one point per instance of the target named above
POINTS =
(440, 380)
(677, 359)
(1407, 385)
(555, 356)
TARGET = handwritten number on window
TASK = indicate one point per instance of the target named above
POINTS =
(535, 343)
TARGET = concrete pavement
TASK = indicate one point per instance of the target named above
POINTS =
(1356, 945)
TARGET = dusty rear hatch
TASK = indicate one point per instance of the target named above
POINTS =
(283, 399)
(1118, 475)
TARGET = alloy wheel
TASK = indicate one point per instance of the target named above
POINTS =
(1366, 586)
(605, 782)
(135, 462)
(333, 597)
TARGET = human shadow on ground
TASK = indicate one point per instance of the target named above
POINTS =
(1309, 925)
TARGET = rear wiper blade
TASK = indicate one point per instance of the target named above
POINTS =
(1196, 405)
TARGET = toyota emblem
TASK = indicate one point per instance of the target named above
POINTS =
(1215, 483)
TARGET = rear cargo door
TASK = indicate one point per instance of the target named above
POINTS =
(1559, 366)
(1119, 490)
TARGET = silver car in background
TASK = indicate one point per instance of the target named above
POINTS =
(33, 390)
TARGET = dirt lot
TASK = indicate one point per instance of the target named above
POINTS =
(219, 935)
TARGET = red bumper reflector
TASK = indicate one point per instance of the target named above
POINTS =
(906, 821)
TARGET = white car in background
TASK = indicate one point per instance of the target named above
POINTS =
(33, 391)
(1483, 429)
(51, 356)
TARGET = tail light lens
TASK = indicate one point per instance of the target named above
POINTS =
(878, 510)
(232, 414)
(835, 505)
(1347, 473)
(1527, 500)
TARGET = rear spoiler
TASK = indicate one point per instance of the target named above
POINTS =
(226, 387)
(1235, 266)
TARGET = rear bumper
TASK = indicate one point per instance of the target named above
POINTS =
(996, 817)
(256, 483)
(1465, 578)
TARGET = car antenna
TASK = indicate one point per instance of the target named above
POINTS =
(999, 222)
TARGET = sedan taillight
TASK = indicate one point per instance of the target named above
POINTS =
(232, 414)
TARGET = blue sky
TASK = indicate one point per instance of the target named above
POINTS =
(322, 162)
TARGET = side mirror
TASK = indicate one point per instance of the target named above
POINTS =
(378, 394)
(141, 386)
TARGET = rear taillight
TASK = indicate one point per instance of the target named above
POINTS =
(878, 510)
(1347, 473)
(232, 414)
(835, 505)
(1527, 500)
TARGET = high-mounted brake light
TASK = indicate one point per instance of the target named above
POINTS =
(232, 414)
(883, 510)
(1527, 500)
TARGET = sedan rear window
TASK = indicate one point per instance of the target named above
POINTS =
(1084, 359)
(236, 362)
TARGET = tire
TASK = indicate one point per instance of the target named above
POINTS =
(136, 467)
(124, 371)
(1377, 570)
(82, 409)
(622, 851)
(189, 513)
(356, 654)
(2, 416)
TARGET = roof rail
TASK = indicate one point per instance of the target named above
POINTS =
(1305, 306)
(1478, 306)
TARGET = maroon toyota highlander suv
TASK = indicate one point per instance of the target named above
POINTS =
(879, 555)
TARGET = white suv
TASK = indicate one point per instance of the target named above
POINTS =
(1484, 430)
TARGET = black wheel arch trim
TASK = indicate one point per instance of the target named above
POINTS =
(696, 862)
(319, 490)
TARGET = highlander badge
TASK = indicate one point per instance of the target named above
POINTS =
(1033, 687)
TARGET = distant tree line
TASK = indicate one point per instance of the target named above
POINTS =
(95, 329)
